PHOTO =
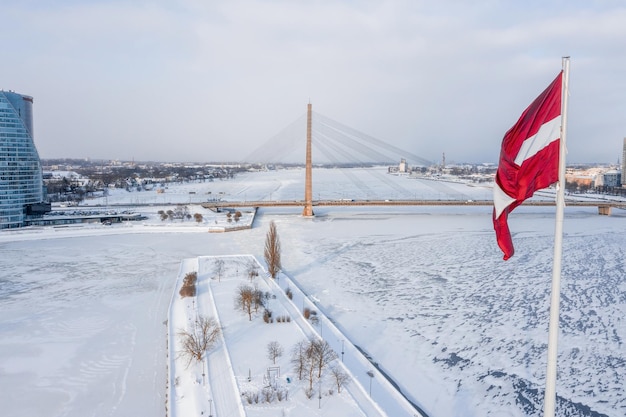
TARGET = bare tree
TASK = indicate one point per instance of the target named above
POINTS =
(182, 212)
(340, 377)
(253, 270)
(310, 365)
(198, 217)
(299, 358)
(274, 350)
(272, 250)
(245, 299)
(197, 341)
(310, 358)
(258, 298)
(219, 268)
(322, 355)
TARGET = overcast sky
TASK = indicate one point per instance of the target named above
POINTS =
(199, 80)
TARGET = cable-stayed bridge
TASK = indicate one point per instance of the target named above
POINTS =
(323, 141)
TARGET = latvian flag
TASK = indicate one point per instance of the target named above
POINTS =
(529, 159)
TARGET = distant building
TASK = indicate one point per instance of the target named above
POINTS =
(402, 168)
(21, 182)
(612, 178)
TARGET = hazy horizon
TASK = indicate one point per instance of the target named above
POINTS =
(326, 164)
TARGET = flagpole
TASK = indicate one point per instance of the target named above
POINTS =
(553, 330)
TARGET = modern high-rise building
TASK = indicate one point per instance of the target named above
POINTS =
(624, 164)
(21, 182)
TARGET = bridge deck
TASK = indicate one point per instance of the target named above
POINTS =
(326, 203)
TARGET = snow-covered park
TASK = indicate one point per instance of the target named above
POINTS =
(240, 375)
(422, 291)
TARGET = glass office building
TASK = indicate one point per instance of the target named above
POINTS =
(21, 182)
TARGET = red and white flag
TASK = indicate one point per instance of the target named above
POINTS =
(529, 159)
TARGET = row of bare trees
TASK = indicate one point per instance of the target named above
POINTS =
(310, 359)
(250, 299)
(236, 216)
(181, 212)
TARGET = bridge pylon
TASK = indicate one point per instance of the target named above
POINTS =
(308, 182)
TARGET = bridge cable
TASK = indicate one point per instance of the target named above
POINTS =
(372, 140)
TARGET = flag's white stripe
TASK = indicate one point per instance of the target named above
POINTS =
(500, 199)
(548, 132)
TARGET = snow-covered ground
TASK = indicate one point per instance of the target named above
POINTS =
(422, 290)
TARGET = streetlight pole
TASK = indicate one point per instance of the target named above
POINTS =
(341, 350)
(204, 364)
(371, 375)
(320, 395)
(210, 408)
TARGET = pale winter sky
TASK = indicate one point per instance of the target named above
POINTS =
(196, 80)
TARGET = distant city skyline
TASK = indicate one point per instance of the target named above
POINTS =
(208, 81)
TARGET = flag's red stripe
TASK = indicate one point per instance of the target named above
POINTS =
(538, 171)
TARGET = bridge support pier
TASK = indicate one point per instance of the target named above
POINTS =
(308, 183)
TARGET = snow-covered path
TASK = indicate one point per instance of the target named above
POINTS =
(223, 387)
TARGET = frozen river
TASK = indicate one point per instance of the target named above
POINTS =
(423, 290)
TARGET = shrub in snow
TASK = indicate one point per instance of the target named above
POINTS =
(187, 291)
(249, 396)
(282, 394)
(189, 285)
(267, 394)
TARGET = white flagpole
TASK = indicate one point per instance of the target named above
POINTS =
(553, 330)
